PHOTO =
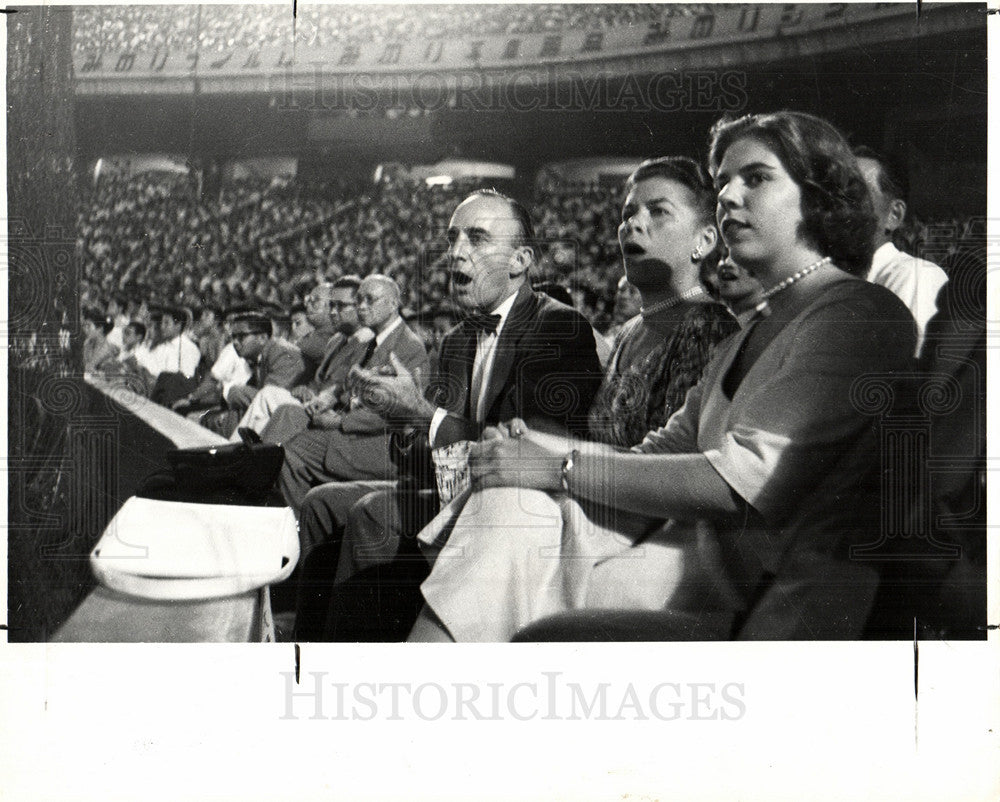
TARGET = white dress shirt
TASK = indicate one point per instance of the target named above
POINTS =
(230, 369)
(177, 355)
(916, 282)
(380, 337)
(482, 367)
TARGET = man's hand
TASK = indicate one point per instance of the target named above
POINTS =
(326, 420)
(510, 455)
(303, 394)
(392, 396)
(240, 395)
(320, 402)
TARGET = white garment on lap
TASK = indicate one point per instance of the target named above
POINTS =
(264, 403)
(515, 555)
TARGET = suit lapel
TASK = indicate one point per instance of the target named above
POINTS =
(457, 355)
(380, 356)
(521, 313)
(333, 348)
(260, 369)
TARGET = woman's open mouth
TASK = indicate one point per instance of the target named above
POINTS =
(733, 227)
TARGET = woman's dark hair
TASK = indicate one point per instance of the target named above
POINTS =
(99, 319)
(837, 214)
(688, 173)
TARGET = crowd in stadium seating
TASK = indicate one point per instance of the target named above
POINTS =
(204, 302)
(214, 28)
(266, 242)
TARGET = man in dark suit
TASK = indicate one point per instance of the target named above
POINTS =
(350, 441)
(517, 354)
(321, 310)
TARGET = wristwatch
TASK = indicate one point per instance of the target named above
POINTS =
(567, 466)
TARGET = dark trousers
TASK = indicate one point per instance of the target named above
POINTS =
(360, 579)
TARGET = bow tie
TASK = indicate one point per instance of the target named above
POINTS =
(480, 321)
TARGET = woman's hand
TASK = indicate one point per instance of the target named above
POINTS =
(510, 455)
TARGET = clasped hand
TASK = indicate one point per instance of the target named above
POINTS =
(393, 392)
(241, 395)
(512, 455)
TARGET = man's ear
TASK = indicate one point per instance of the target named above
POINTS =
(520, 260)
(897, 214)
(708, 238)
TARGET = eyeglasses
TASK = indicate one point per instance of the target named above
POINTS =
(342, 304)
(370, 300)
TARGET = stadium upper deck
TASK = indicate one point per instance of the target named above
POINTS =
(223, 49)
(216, 28)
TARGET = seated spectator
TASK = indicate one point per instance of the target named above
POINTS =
(660, 353)
(734, 287)
(301, 326)
(133, 342)
(209, 335)
(517, 352)
(172, 362)
(628, 301)
(117, 311)
(917, 282)
(272, 360)
(321, 313)
(230, 370)
(98, 353)
(173, 351)
(128, 365)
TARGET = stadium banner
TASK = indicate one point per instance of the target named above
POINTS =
(728, 34)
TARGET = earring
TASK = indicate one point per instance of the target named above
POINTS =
(696, 254)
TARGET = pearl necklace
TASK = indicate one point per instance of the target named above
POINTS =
(763, 308)
(669, 303)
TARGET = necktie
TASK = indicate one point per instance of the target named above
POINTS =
(480, 321)
(372, 345)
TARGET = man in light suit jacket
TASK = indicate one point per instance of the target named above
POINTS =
(518, 353)
(353, 441)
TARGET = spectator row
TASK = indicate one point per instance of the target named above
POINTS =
(266, 242)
